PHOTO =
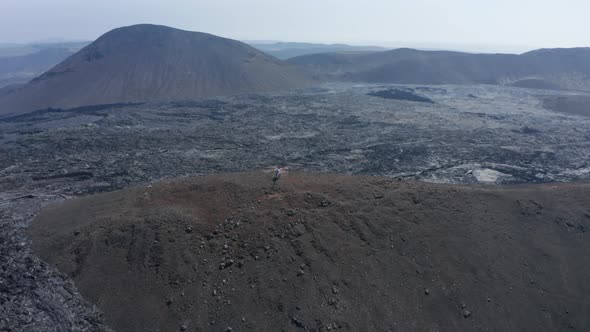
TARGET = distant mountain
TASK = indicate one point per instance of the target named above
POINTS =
(15, 50)
(546, 68)
(284, 50)
(150, 62)
(23, 68)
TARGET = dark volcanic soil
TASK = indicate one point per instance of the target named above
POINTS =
(326, 252)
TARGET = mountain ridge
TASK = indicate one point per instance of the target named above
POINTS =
(560, 68)
(286, 50)
(151, 62)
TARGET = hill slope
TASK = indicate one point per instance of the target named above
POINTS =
(286, 50)
(148, 62)
(547, 68)
(325, 252)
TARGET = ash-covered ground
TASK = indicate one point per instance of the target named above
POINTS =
(486, 134)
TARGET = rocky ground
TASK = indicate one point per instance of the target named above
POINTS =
(322, 252)
(468, 135)
(466, 131)
(33, 295)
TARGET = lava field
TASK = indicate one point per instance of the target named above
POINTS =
(467, 135)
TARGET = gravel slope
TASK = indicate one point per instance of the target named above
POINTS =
(325, 252)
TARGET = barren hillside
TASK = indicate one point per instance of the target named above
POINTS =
(149, 62)
(325, 252)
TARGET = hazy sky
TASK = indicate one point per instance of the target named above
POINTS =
(485, 24)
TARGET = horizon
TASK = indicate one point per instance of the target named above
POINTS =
(424, 46)
(454, 25)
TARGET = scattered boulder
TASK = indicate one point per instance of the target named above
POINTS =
(466, 313)
(335, 289)
(299, 229)
(297, 322)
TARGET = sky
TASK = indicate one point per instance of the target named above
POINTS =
(474, 25)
